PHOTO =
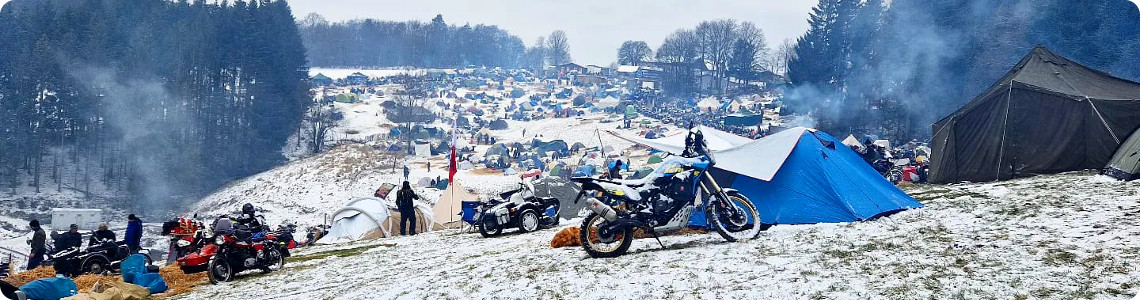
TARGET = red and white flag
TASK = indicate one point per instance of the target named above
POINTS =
(453, 166)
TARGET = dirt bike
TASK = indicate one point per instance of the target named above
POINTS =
(663, 201)
(519, 208)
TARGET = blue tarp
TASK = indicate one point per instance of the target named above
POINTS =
(820, 182)
(54, 288)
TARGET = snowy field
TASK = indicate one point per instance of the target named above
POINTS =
(1063, 236)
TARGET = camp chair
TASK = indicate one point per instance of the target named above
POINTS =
(468, 214)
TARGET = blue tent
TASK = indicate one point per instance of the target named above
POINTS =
(804, 176)
(584, 171)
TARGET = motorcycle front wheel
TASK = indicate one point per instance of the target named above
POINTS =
(275, 259)
(735, 218)
(489, 227)
(603, 245)
(219, 270)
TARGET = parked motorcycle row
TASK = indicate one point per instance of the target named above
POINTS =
(226, 248)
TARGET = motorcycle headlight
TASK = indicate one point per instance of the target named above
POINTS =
(220, 240)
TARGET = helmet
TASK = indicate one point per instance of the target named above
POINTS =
(247, 209)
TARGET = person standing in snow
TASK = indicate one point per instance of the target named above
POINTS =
(133, 237)
(407, 172)
(404, 203)
(615, 170)
(38, 244)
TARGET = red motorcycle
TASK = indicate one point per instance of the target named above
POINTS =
(240, 250)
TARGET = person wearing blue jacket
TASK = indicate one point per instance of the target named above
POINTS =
(134, 234)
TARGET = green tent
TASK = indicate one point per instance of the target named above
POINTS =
(1125, 164)
(654, 159)
(346, 98)
(630, 112)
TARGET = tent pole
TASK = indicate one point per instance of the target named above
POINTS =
(1004, 129)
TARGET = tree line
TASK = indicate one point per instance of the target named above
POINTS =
(895, 67)
(159, 101)
(726, 48)
(435, 44)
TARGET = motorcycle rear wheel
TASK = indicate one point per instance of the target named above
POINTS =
(732, 229)
(593, 243)
(219, 270)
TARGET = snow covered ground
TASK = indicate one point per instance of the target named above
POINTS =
(1050, 237)
(340, 73)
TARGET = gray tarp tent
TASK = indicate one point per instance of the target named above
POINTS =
(1049, 114)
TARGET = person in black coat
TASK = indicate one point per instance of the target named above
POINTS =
(404, 202)
(615, 171)
(98, 236)
(69, 239)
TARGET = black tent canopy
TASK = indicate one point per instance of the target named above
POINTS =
(1049, 114)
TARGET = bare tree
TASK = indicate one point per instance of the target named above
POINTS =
(778, 60)
(558, 48)
(633, 52)
(321, 120)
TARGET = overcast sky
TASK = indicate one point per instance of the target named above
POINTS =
(595, 28)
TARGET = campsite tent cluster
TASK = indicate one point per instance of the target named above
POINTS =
(1047, 115)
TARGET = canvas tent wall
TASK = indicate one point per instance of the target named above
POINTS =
(450, 203)
(803, 176)
(1125, 164)
(1049, 114)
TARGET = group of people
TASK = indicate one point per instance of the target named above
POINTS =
(73, 239)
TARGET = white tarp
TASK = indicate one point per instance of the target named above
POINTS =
(758, 159)
(675, 142)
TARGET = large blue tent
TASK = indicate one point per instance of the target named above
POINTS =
(804, 176)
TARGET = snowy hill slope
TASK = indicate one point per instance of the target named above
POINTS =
(1050, 237)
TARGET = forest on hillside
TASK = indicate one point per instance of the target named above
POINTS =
(156, 101)
(895, 67)
(434, 44)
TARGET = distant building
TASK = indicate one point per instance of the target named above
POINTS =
(571, 68)
(357, 79)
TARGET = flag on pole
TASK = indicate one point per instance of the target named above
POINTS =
(453, 166)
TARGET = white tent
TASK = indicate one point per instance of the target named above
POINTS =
(608, 102)
(709, 103)
(450, 204)
(370, 218)
(466, 165)
(422, 149)
(675, 143)
(853, 142)
(886, 144)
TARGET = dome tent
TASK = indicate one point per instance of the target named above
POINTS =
(370, 218)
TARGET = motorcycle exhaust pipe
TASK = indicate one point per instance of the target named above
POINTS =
(602, 209)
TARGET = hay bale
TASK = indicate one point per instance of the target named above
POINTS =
(22, 278)
(568, 237)
(179, 282)
(86, 281)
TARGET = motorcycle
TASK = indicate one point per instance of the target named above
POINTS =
(661, 202)
(283, 238)
(519, 208)
(240, 250)
(102, 258)
(203, 243)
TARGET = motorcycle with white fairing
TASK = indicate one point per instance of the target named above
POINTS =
(663, 201)
(519, 208)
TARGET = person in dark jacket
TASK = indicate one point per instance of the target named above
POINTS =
(404, 202)
(249, 218)
(133, 237)
(38, 244)
(98, 236)
(615, 171)
(69, 239)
